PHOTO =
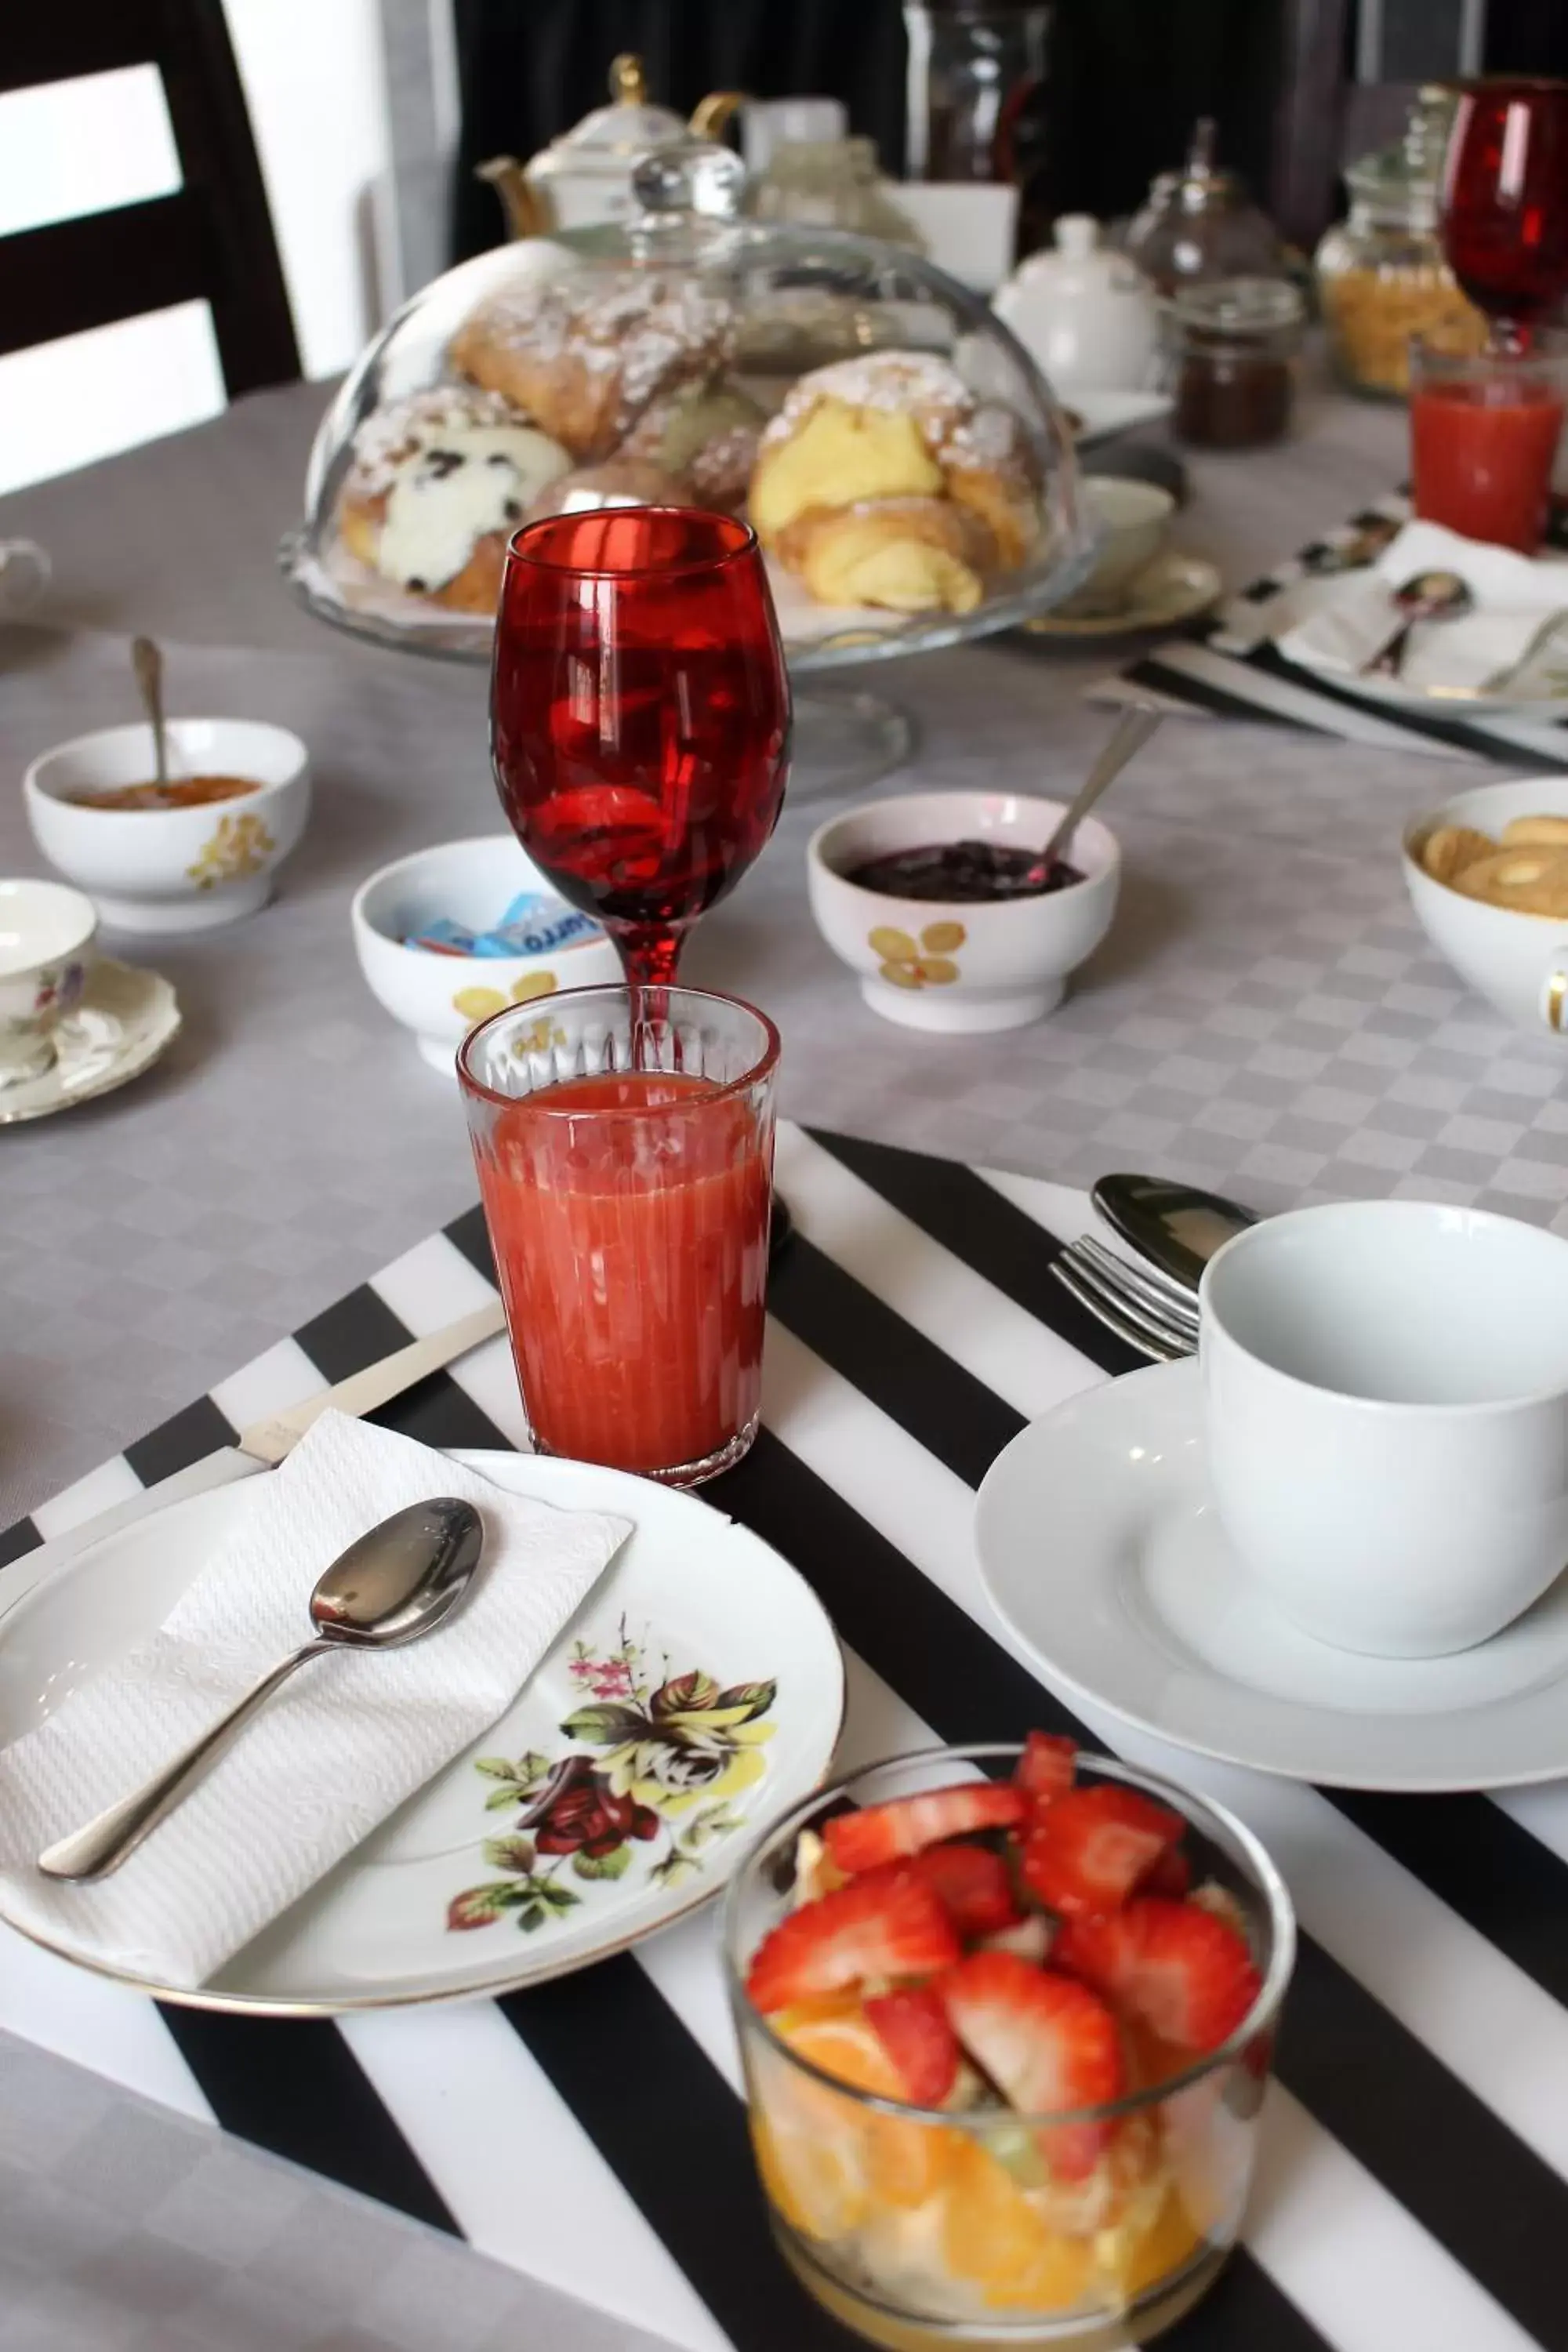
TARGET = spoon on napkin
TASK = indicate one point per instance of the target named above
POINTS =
(393, 1584)
(1429, 597)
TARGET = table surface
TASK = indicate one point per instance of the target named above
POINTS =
(1265, 1017)
(290, 1142)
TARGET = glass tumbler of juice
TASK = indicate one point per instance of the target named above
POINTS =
(1484, 428)
(972, 2226)
(625, 1156)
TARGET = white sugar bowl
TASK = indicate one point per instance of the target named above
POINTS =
(1087, 316)
(440, 996)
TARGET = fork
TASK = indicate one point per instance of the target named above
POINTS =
(1133, 1304)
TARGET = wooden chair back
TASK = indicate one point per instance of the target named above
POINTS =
(211, 240)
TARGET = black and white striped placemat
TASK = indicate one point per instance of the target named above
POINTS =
(1227, 663)
(1413, 2184)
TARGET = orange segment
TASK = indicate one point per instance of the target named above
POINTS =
(1165, 2246)
(993, 2237)
(904, 2163)
(809, 2181)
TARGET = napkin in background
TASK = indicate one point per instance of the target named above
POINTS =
(1352, 618)
(340, 1747)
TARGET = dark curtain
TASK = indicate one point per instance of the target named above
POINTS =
(1127, 80)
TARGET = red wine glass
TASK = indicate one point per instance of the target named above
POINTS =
(1505, 201)
(640, 715)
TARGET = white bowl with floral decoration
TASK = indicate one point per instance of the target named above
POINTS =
(964, 966)
(171, 869)
(439, 997)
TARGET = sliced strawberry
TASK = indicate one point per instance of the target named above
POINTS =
(877, 1833)
(972, 1885)
(1046, 2042)
(895, 1929)
(1030, 1938)
(1169, 1874)
(1087, 1851)
(1046, 1767)
(1179, 1969)
(913, 2027)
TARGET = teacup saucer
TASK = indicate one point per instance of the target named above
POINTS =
(126, 1018)
(1172, 589)
(1100, 1544)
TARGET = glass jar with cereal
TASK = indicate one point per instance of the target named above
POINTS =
(1382, 277)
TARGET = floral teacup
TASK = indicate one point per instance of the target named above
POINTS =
(46, 946)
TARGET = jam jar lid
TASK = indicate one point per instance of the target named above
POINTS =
(1240, 306)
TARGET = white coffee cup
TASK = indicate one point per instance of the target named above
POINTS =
(1136, 520)
(1385, 1403)
(46, 947)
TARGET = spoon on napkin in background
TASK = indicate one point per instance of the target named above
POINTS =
(397, 1582)
(1427, 597)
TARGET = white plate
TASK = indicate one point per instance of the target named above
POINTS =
(1172, 589)
(1305, 596)
(691, 1597)
(124, 1021)
(1100, 1544)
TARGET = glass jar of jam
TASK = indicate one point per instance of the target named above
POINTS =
(1235, 353)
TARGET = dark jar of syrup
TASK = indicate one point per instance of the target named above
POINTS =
(1235, 355)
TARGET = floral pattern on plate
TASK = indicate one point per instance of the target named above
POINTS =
(650, 1786)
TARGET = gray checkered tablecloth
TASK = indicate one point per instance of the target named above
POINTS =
(1264, 1016)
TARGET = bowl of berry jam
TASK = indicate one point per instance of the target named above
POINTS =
(947, 910)
(1007, 2016)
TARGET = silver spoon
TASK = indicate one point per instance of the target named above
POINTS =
(398, 1581)
(1175, 1227)
(1426, 596)
(1129, 734)
(148, 663)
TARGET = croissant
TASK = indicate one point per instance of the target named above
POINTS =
(907, 555)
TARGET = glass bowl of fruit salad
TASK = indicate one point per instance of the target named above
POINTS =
(1007, 2016)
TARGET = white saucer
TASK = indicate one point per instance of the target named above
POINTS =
(439, 1903)
(1172, 589)
(1100, 1544)
(124, 1021)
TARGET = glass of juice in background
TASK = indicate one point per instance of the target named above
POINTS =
(1484, 429)
(625, 1155)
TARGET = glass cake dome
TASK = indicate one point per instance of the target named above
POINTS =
(902, 460)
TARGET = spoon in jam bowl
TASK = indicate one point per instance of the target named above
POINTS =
(148, 663)
(1127, 738)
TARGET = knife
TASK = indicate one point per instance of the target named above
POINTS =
(264, 1444)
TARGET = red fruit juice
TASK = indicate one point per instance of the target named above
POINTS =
(1483, 465)
(629, 1220)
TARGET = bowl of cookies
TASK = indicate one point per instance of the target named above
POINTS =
(904, 464)
(1487, 877)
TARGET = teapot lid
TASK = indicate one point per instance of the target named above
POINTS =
(608, 138)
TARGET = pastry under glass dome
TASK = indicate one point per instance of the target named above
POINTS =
(643, 361)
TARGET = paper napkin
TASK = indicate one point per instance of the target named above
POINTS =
(1355, 618)
(333, 1754)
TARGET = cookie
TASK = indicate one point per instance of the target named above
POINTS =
(1446, 851)
(1547, 831)
(1527, 881)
